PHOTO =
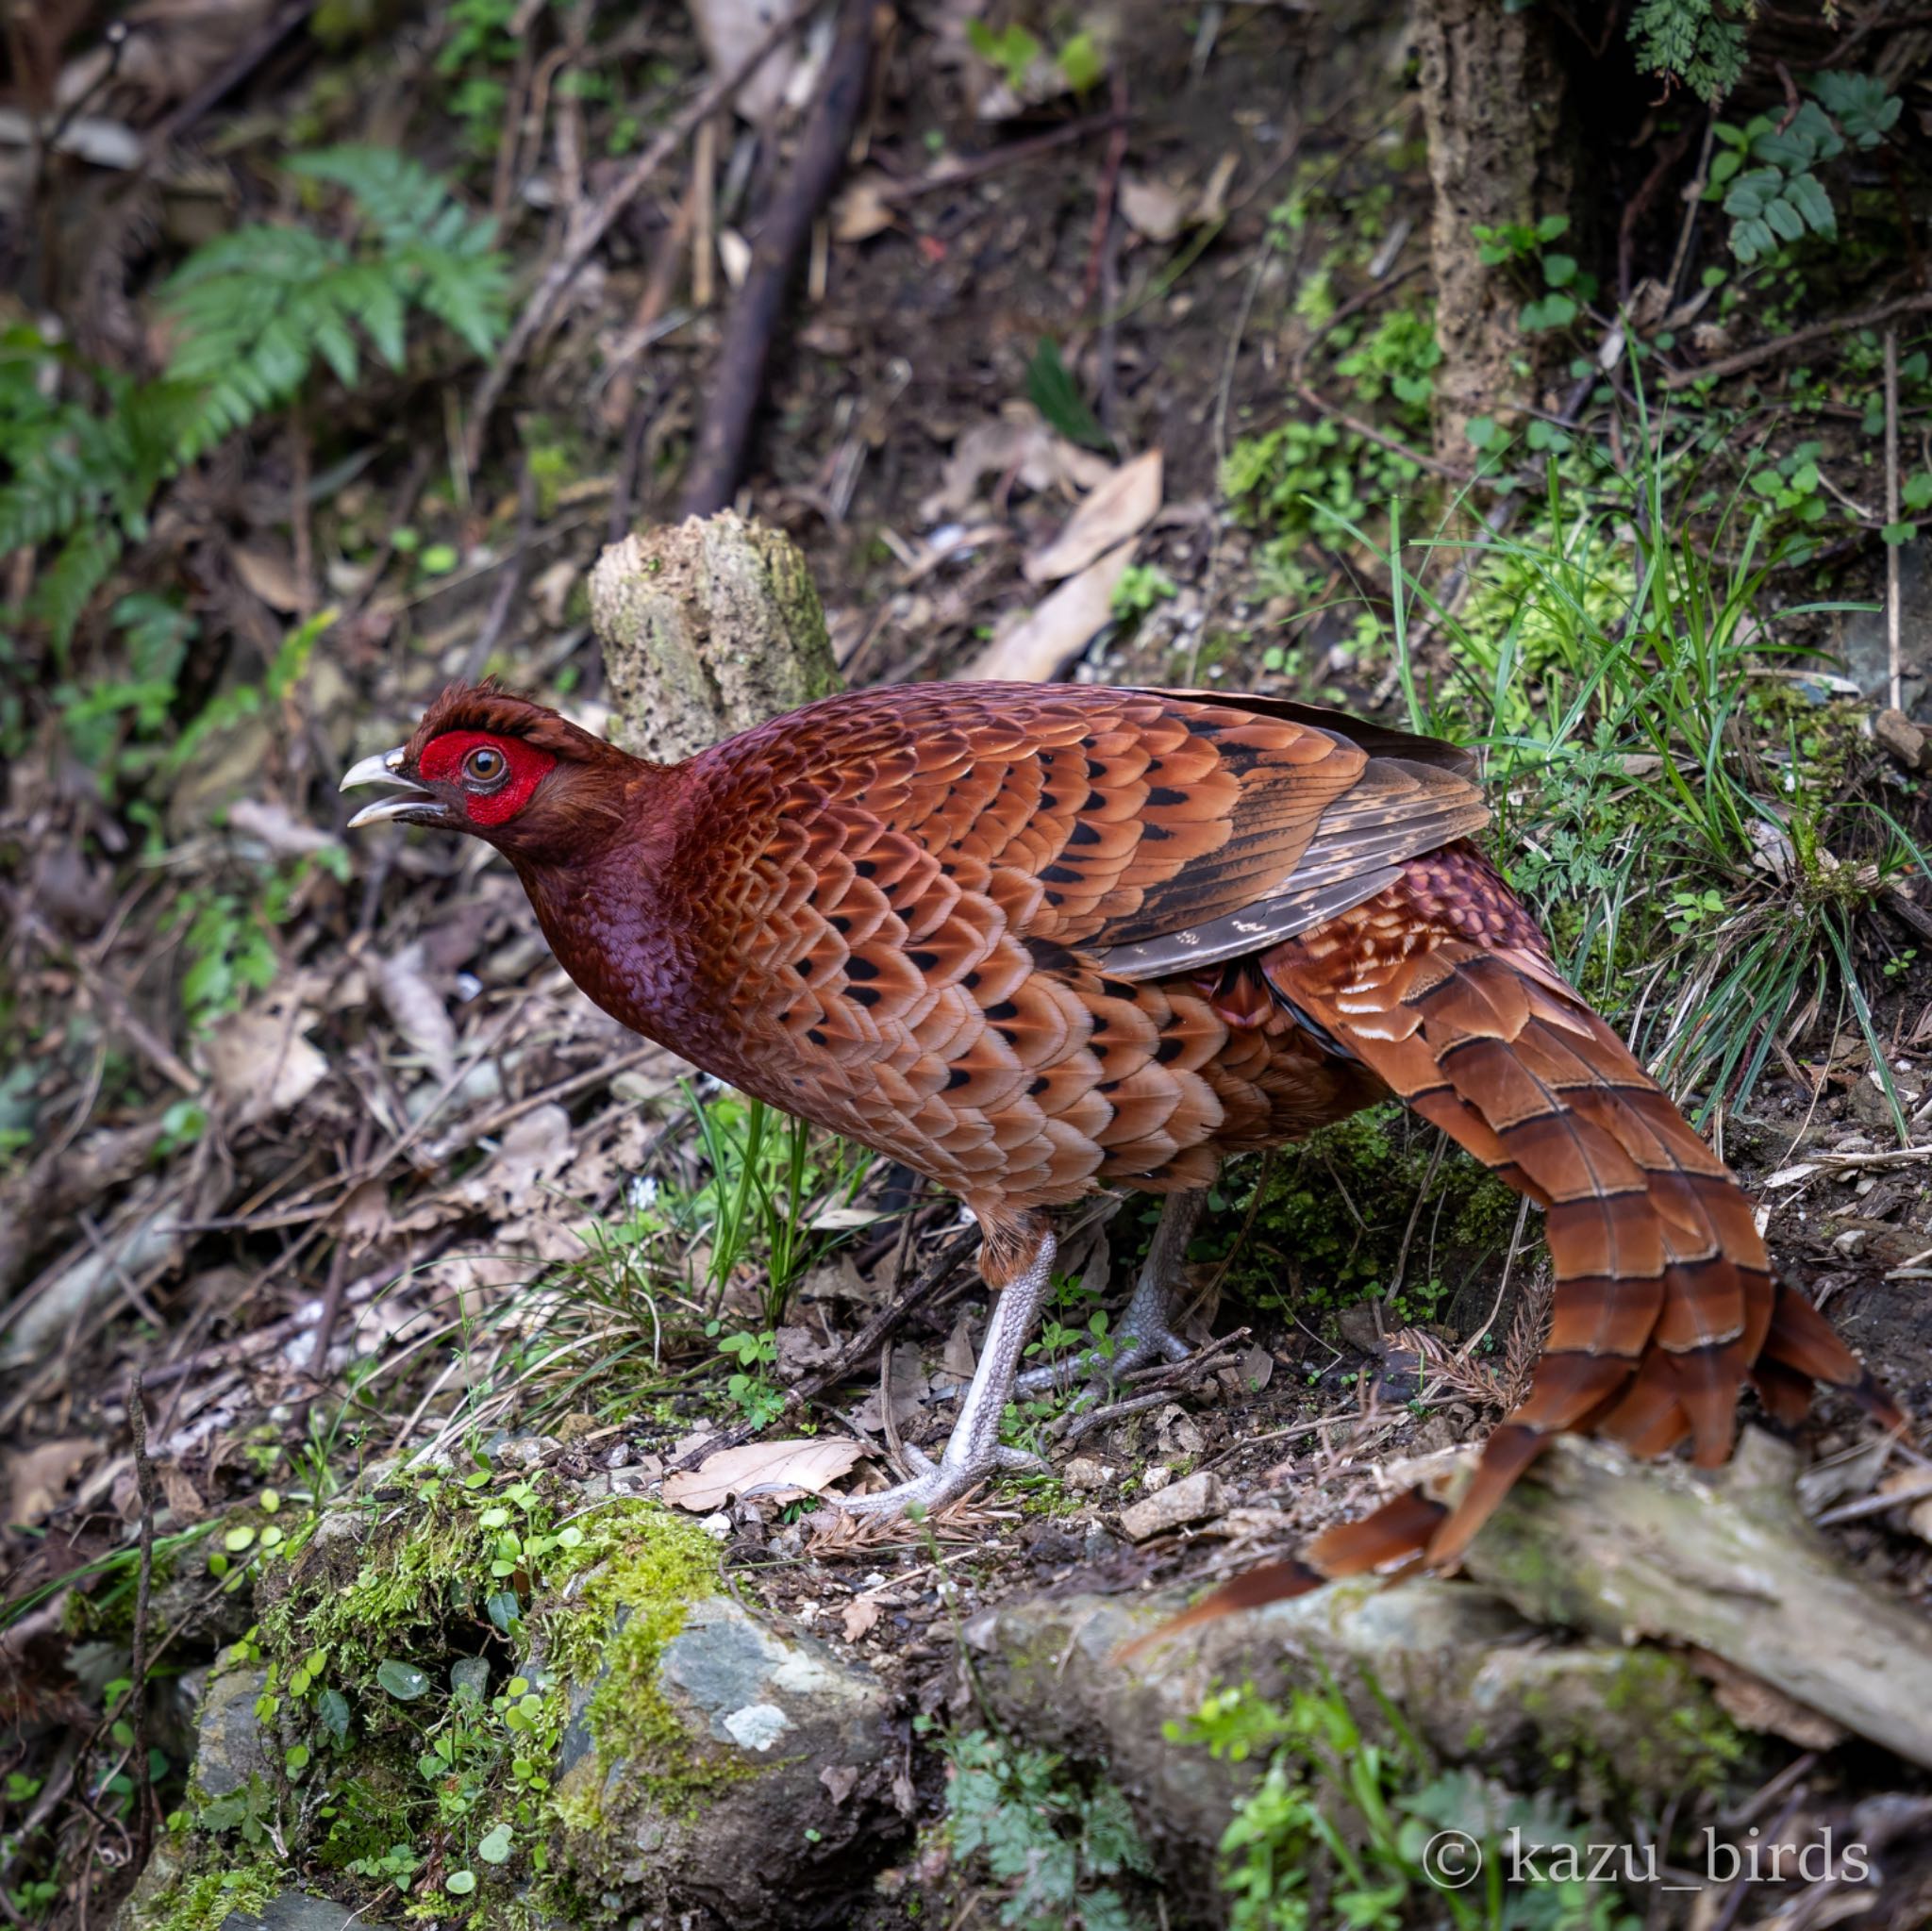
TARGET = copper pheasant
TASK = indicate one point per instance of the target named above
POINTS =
(1040, 941)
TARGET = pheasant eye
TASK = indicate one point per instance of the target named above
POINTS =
(485, 765)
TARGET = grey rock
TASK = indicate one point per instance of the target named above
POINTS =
(298, 1910)
(228, 1741)
(1194, 1498)
(774, 1709)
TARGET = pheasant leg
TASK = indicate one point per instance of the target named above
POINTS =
(974, 1450)
(1146, 1334)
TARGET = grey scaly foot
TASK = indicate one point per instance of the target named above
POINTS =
(936, 1483)
(974, 1450)
(1145, 1336)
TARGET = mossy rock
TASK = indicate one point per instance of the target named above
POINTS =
(471, 1695)
(1449, 1662)
(781, 1749)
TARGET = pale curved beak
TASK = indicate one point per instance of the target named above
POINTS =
(382, 769)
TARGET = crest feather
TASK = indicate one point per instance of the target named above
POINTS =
(488, 706)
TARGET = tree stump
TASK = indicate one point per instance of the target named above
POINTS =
(708, 626)
(1492, 103)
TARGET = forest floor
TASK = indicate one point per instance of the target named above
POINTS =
(308, 1132)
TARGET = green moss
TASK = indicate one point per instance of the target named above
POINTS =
(1679, 1734)
(630, 1587)
(205, 1901)
(375, 1612)
(421, 1564)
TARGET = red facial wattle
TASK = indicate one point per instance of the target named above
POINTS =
(442, 763)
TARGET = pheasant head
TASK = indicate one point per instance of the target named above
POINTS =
(540, 789)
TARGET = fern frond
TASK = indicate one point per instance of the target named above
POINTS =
(403, 200)
(65, 586)
(469, 296)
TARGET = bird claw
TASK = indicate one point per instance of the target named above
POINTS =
(937, 1484)
(1152, 1344)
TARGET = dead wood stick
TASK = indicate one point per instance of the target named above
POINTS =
(1369, 433)
(1891, 549)
(874, 1334)
(1009, 154)
(1798, 338)
(227, 77)
(1104, 200)
(136, 1668)
(1723, 1562)
(584, 230)
(739, 377)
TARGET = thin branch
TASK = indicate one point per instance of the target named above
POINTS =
(738, 379)
(150, 1504)
(1891, 549)
(586, 229)
(1368, 431)
(1798, 338)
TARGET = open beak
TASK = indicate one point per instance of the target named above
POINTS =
(382, 769)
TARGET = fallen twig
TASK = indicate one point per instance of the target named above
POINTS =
(1107, 195)
(1798, 338)
(1891, 549)
(1369, 433)
(1009, 154)
(228, 76)
(1166, 1379)
(136, 1668)
(739, 369)
(876, 1332)
(509, 583)
(588, 227)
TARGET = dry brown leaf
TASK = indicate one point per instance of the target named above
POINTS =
(37, 1479)
(1118, 508)
(860, 1616)
(1152, 209)
(186, 1502)
(728, 31)
(958, 1356)
(1016, 443)
(515, 1190)
(910, 1391)
(1052, 635)
(260, 1063)
(1919, 1515)
(863, 210)
(277, 827)
(363, 1217)
(1755, 1704)
(734, 257)
(271, 576)
(1212, 205)
(419, 1012)
(836, 1279)
(781, 1471)
(800, 1351)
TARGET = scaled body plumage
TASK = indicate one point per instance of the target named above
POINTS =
(1041, 940)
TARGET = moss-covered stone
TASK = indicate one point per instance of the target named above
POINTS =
(733, 1721)
(481, 1698)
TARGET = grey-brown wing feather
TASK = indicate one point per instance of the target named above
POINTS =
(1399, 809)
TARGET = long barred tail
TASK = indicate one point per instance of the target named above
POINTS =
(1664, 1303)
